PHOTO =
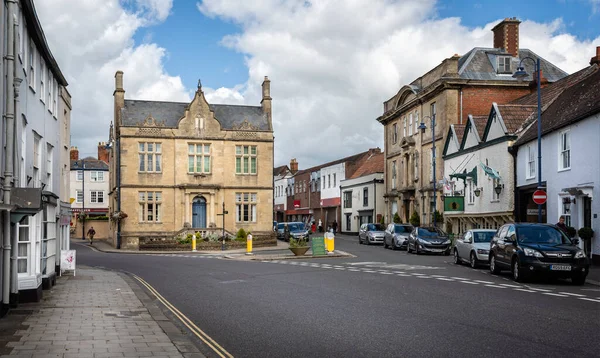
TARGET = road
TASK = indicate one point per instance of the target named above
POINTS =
(381, 303)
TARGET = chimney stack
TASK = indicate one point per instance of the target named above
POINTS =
(543, 81)
(596, 59)
(266, 100)
(119, 96)
(293, 166)
(74, 154)
(103, 153)
(506, 36)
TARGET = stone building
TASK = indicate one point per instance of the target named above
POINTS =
(176, 166)
(459, 86)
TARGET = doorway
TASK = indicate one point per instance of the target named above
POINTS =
(199, 212)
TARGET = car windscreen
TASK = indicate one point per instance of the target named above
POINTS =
(280, 226)
(375, 227)
(483, 236)
(431, 231)
(296, 227)
(546, 235)
(403, 229)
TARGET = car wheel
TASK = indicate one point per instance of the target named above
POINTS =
(385, 245)
(393, 246)
(578, 280)
(493, 267)
(408, 250)
(473, 260)
(447, 252)
(517, 272)
(359, 240)
(417, 251)
(456, 257)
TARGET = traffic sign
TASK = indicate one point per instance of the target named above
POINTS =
(539, 197)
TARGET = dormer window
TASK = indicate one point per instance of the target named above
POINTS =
(504, 64)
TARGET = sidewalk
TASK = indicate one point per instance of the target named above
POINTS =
(594, 275)
(97, 313)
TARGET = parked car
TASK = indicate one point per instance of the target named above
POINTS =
(297, 230)
(371, 233)
(473, 247)
(543, 249)
(396, 236)
(428, 239)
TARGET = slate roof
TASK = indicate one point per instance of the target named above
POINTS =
(374, 163)
(91, 163)
(353, 159)
(481, 64)
(169, 113)
(281, 170)
(575, 103)
(514, 115)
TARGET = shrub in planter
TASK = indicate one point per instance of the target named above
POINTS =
(439, 218)
(586, 233)
(397, 218)
(415, 219)
(571, 232)
(241, 234)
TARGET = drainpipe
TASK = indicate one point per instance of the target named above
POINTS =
(375, 200)
(118, 189)
(461, 105)
(13, 244)
(9, 160)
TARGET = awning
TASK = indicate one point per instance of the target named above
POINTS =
(582, 190)
(27, 201)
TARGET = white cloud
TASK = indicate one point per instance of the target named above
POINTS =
(333, 63)
(94, 39)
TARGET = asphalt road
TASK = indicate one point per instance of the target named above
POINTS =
(381, 303)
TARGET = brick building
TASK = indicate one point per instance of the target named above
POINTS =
(459, 86)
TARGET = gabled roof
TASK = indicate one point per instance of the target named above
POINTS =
(575, 103)
(90, 163)
(168, 114)
(514, 115)
(373, 163)
(351, 159)
(281, 170)
(478, 124)
(455, 134)
(481, 64)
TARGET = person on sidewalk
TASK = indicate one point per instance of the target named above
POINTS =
(91, 232)
(334, 227)
(320, 226)
(561, 225)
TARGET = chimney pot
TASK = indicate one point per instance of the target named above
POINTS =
(506, 36)
(74, 153)
(119, 80)
(596, 59)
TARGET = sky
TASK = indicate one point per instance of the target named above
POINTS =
(331, 63)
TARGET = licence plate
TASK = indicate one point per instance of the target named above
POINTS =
(436, 250)
(560, 267)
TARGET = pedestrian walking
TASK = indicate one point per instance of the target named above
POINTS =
(91, 232)
(313, 227)
(320, 226)
(334, 226)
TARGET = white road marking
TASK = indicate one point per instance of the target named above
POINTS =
(554, 294)
(469, 282)
(444, 279)
(495, 286)
(418, 274)
(589, 299)
(524, 290)
(572, 294)
(507, 285)
(403, 275)
(539, 289)
(386, 273)
(353, 270)
(424, 277)
(340, 268)
(369, 271)
(460, 278)
(486, 282)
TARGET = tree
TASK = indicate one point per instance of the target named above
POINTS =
(381, 221)
(397, 218)
(415, 219)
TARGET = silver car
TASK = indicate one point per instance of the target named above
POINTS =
(371, 234)
(473, 247)
(396, 236)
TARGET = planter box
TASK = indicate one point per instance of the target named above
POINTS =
(172, 245)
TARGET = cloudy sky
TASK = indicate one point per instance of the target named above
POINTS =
(332, 63)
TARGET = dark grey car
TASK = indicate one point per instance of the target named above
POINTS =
(428, 239)
(297, 230)
(396, 236)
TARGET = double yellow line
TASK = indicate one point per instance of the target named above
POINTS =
(187, 322)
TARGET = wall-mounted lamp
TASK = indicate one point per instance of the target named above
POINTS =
(43, 186)
(29, 179)
(498, 188)
(477, 192)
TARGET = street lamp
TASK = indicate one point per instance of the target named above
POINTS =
(422, 127)
(521, 74)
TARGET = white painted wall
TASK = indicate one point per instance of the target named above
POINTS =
(279, 187)
(89, 187)
(498, 158)
(330, 188)
(585, 168)
(375, 200)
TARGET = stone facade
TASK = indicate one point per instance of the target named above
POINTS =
(459, 86)
(180, 164)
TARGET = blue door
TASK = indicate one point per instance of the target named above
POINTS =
(199, 212)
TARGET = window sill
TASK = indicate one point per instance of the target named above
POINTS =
(529, 178)
(470, 203)
(149, 222)
(139, 172)
(246, 174)
(31, 88)
(199, 174)
(564, 169)
(495, 201)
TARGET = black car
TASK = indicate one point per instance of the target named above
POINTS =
(396, 236)
(528, 249)
(428, 239)
(297, 230)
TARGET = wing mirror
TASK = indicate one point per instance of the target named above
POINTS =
(575, 241)
(467, 241)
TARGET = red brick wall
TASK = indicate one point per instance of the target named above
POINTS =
(477, 100)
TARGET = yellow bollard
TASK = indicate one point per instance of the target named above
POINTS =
(194, 242)
(330, 242)
(249, 244)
